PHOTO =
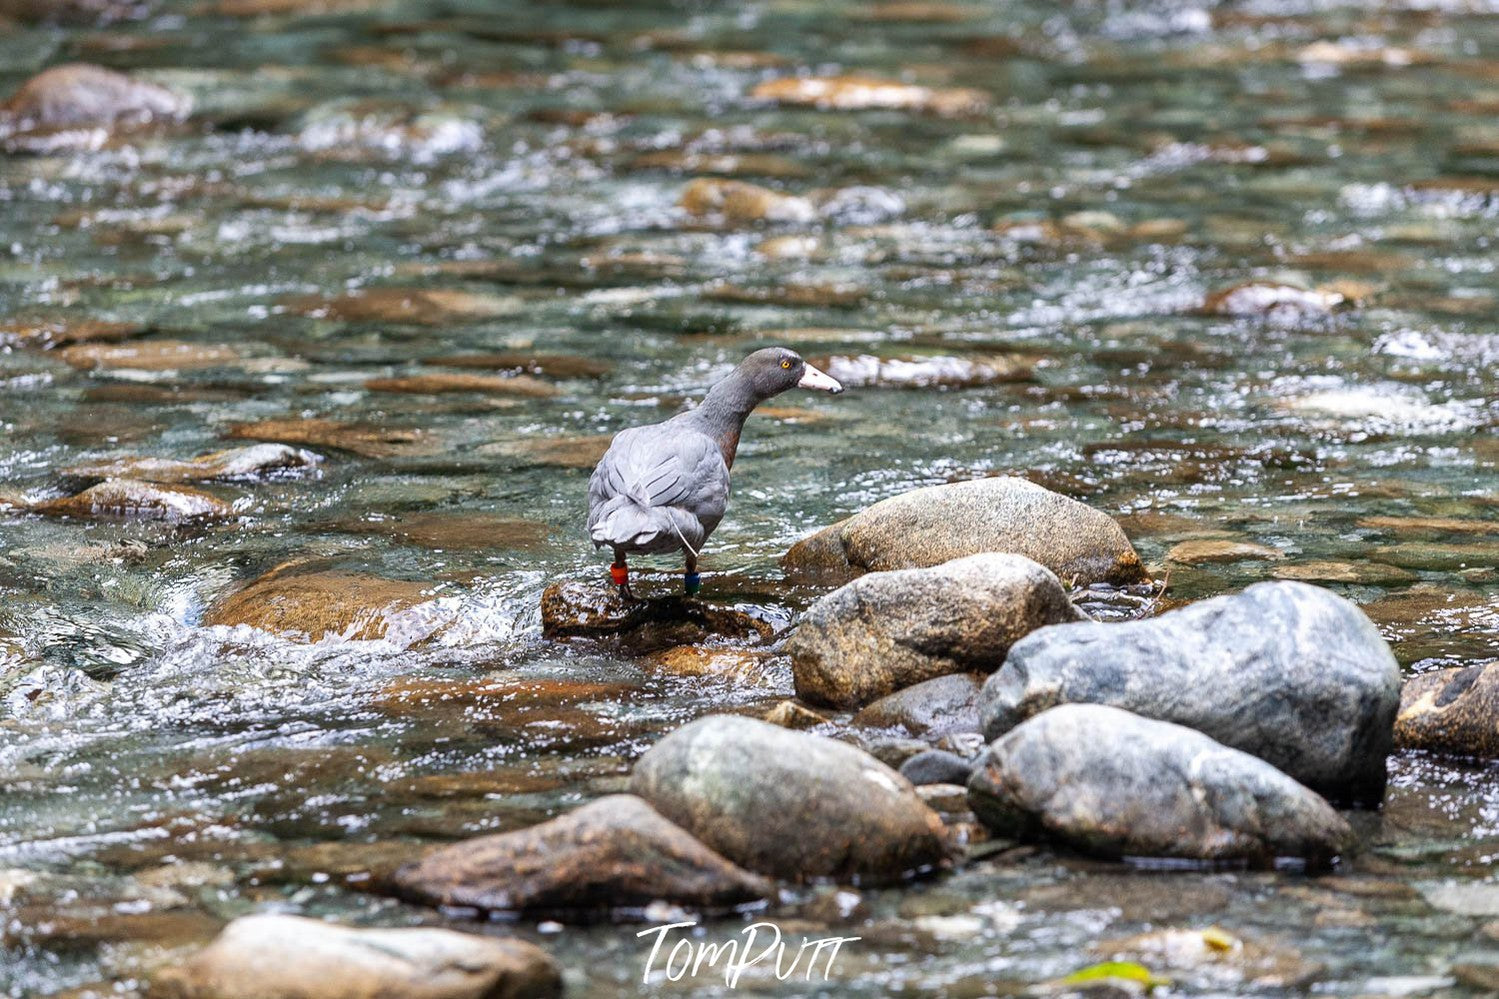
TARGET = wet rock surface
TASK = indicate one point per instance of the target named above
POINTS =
(289, 957)
(584, 610)
(254, 462)
(614, 853)
(1109, 782)
(790, 804)
(1288, 672)
(130, 499)
(927, 527)
(1451, 711)
(932, 708)
(888, 630)
(317, 604)
(78, 94)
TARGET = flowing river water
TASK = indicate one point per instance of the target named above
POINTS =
(367, 191)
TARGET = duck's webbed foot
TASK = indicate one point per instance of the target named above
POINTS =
(620, 573)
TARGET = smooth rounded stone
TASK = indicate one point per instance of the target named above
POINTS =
(47, 333)
(368, 440)
(556, 451)
(737, 201)
(1113, 783)
(1327, 571)
(315, 605)
(1451, 711)
(273, 956)
(1289, 672)
(1210, 550)
(886, 631)
(870, 371)
(932, 708)
(861, 93)
(256, 461)
(936, 524)
(150, 355)
(596, 610)
(749, 666)
(948, 798)
(1272, 301)
(936, 766)
(409, 306)
(78, 94)
(789, 804)
(613, 853)
(439, 382)
(129, 499)
(790, 714)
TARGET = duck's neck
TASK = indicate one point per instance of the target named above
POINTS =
(722, 413)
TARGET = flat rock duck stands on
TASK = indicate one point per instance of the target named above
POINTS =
(664, 487)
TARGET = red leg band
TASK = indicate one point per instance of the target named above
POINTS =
(620, 574)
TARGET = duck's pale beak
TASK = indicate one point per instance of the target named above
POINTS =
(814, 379)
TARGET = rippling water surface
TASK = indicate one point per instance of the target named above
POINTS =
(369, 191)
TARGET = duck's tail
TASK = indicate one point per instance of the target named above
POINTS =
(628, 523)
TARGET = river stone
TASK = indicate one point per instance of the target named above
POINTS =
(613, 853)
(1289, 672)
(318, 604)
(585, 610)
(80, 94)
(273, 956)
(369, 440)
(931, 708)
(1112, 783)
(789, 804)
(926, 527)
(253, 462)
(936, 766)
(1451, 711)
(132, 500)
(888, 630)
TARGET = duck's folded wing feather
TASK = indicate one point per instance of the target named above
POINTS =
(662, 466)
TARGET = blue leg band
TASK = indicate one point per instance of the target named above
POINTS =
(692, 582)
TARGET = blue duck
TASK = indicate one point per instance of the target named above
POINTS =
(664, 487)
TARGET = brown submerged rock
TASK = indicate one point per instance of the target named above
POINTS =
(931, 708)
(413, 306)
(1451, 711)
(46, 333)
(457, 531)
(586, 610)
(790, 804)
(366, 439)
(1210, 550)
(256, 461)
(518, 361)
(272, 956)
(613, 853)
(559, 452)
(888, 630)
(151, 355)
(317, 604)
(78, 94)
(926, 527)
(432, 383)
(737, 201)
(133, 500)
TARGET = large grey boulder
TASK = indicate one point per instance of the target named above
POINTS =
(287, 957)
(1112, 783)
(1292, 673)
(937, 524)
(890, 630)
(610, 854)
(790, 804)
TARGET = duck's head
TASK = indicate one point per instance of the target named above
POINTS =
(773, 370)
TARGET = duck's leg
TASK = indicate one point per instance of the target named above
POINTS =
(692, 582)
(620, 573)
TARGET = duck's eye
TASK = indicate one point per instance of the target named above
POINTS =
(786, 363)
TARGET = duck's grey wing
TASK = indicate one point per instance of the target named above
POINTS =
(657, 489)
